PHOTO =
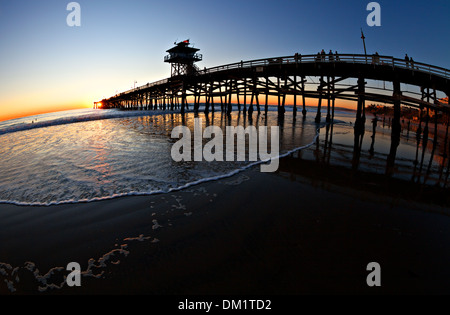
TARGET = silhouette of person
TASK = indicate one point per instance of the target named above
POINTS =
(337, 56)
(412, 63)
(374, 123)
(374, 128)
(331, 56)
(407, 60)
(377, 58)
(323, 55)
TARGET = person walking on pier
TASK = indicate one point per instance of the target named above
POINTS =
(331, 56)
(337, 56)
(376, 58)
(407, 60)
(411, 61)
(323, 54)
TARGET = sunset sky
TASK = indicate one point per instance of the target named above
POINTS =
(45, 65)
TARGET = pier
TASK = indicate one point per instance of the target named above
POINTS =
(249, 84)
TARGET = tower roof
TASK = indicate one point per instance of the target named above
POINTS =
(183, 47)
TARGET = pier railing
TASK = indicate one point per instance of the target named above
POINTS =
(319, 59)
(340, 58)
(172, 56)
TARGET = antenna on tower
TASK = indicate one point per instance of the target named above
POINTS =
(364, 43)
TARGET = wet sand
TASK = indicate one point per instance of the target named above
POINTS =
(253, 233)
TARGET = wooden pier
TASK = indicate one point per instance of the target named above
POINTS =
(323, 78)
(252, 82)
(249, 84)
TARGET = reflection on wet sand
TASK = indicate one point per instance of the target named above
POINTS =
(411, 169)
(388, 152)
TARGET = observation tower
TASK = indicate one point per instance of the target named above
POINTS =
(182, 58)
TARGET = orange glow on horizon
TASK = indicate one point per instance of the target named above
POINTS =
(273, 101)
(44, 110)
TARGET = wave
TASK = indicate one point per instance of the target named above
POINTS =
(100, 115)
(165, 191)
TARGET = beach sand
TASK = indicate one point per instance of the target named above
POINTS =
(291, 232)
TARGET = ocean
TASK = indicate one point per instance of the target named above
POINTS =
(88, 155)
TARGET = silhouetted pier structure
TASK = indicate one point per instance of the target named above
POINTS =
(249, 84)
(286, 76)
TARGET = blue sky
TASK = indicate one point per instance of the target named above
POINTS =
(46, 65)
